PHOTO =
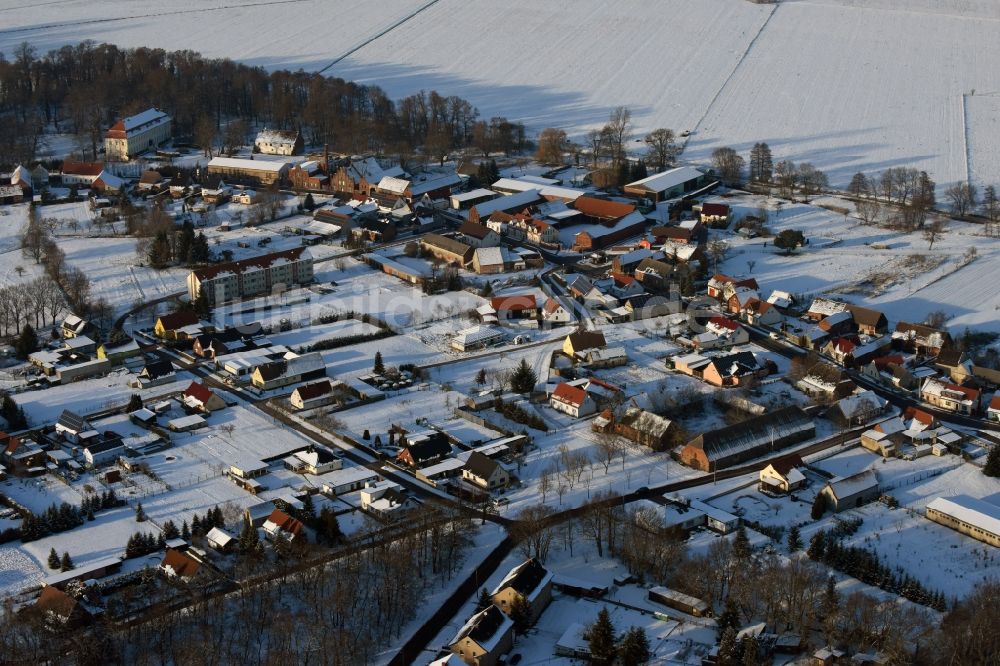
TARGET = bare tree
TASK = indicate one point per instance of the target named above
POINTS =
(932, 232)
(533, 531)
(962, 197)
(595, 142)
(662, 147)
(617, 132)
(551, 145)
(728, 165)
(718, 250)
(868, 210)
(608, 445)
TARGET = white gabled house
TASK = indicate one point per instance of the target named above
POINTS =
(572, 400)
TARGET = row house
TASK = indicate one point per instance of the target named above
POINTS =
(251, 277)
(951, 397)
(921, 339)
(721, 286)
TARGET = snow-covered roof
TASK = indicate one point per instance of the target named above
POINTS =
(247, 165)
(660, 182)
(489, 256)
(854, 484)
(273, 136)
(473, 194)
(513, 201)
(146, 117)
(485, 628)
(969, 510)
(478, 334)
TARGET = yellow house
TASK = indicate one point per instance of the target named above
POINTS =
(578, 342)
(487, 636)
(783, 475)
(531, 582)
(167, 326)
(118, 353)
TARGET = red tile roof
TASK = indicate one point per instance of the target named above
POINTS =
(514, 303)
(572, 395)
(285, 522)
(608, 210)
(198, 391)
(918, 414)
(883, 361)
(76, 168)
(995, 402)
(552, 305)
(970, 393)
(723, 322)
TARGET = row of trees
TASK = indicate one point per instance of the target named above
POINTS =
(161, 243)
(214, 102)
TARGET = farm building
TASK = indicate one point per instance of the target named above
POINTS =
(970, 516)
(852, 491)
(278, 142)
(728, 446)
(247, 171)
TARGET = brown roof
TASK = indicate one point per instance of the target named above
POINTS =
(175, 320)
(514, 303)
(715, 209)
(673, 233)
(474, 230)
(587, 340)
(995, 402)
(918, 414)
(76, 168)
(866, 316)
(785, 464)
(610, 210)
(53, 600)
(181, 563)
(481, 465)
(150, 177)
(447, 244)
(314, 390)
(264, 261)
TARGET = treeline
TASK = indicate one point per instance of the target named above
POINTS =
(84, 88)
(64, 516)
(62, 286)
(868, 568)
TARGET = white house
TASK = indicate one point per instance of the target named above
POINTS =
(555, 312)
(572, 400)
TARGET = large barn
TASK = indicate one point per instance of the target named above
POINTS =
(754, 437)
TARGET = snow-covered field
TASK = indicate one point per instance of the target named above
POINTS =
(845, 84)
(843, 256)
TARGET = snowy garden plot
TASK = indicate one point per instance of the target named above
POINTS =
(90, 395)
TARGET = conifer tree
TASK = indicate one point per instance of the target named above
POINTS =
(66, 563)
(992, 466)
(794, 539)
(53, 559)
(634, 647)
(600, 638)
(379, 366)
